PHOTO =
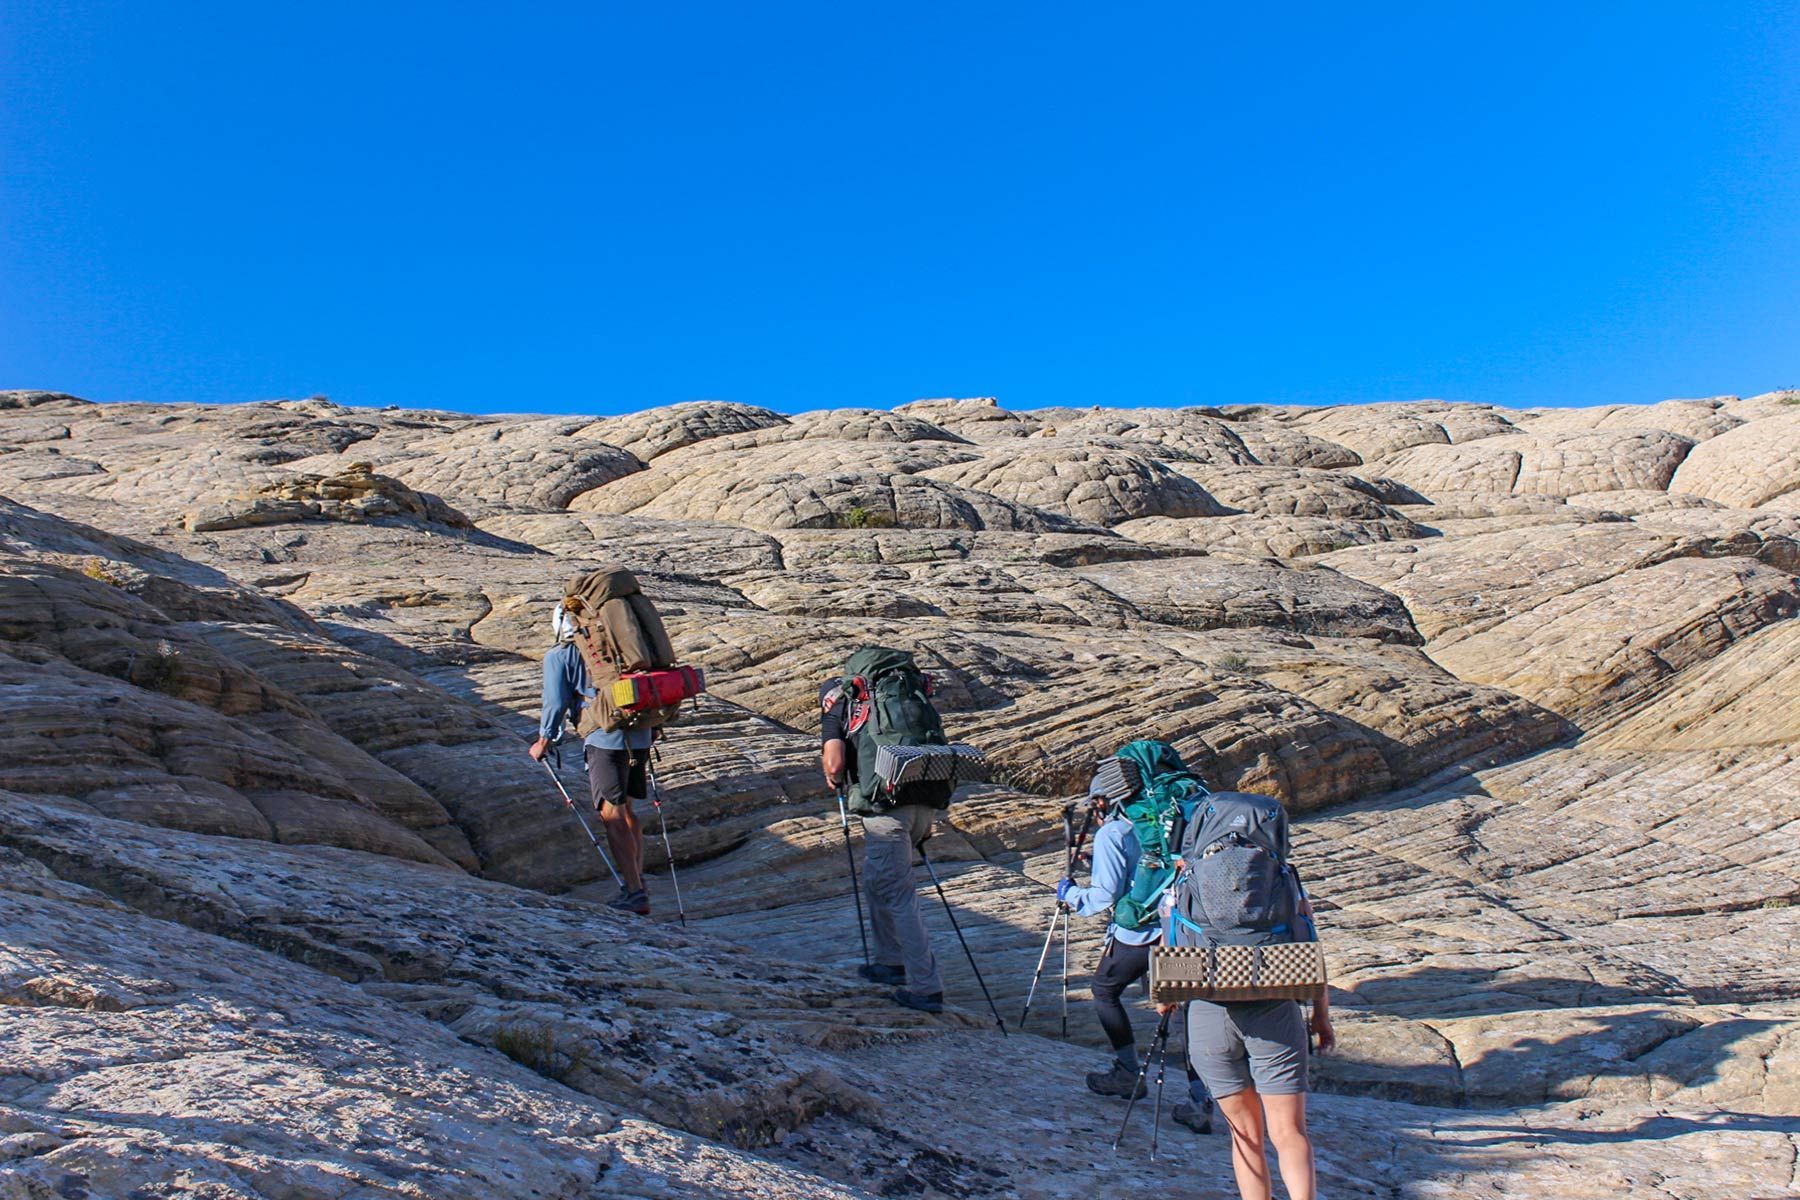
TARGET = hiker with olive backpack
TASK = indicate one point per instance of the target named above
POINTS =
(612, 673)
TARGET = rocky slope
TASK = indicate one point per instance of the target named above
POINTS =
(286, 912)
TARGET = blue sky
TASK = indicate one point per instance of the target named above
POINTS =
(600, 207)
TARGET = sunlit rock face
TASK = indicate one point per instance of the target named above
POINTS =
(285, 911)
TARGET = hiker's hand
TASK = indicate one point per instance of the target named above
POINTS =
(1322, 1030)
(1063, 888)
(1163, 1010)
(539, 748)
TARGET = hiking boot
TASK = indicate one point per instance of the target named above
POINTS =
(1197, 1117)
(882, 973)
(632, 902)
(1117, 1082)
(934, 1003)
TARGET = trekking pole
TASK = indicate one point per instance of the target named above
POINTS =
(951, 913)
(663, 818)
(862, 930)
(576, 809)
(1162, 1065)
(1065, 977)
(1162, 1033)
(1061, 913)
(1069, 841)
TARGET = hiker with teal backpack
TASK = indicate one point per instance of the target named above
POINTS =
(1149, 793)
(884, 753)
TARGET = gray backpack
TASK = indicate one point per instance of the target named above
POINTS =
(1237, 887)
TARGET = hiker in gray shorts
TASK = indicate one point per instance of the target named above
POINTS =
(1252, 1056)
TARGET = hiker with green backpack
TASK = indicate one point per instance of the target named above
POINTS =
(884, 753)
(1149, 793)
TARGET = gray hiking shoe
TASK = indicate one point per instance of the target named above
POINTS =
(882, 973)
(1117, 1082)
(632, 902)
(934, 1003)
(1197, 1117)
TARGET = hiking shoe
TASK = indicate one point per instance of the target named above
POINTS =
(882, 973)
(934, 1003)
(1117, 1082)
(1197, 1117)
(632, 902)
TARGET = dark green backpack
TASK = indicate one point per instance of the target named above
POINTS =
(889, 705)
(1166, 798)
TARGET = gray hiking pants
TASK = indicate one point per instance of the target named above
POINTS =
(899, 928)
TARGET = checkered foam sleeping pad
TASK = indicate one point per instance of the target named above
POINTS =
(957, 763)
(1287, 971)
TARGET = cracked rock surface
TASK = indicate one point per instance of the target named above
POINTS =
(285, 912)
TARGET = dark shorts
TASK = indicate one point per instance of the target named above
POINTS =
(1258, 1043)
(615, 774)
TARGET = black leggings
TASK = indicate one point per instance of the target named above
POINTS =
(1120, 967)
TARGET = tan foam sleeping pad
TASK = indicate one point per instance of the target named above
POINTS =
(1285, 971)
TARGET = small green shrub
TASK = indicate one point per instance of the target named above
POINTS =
(862, 518)
(527, 1045)
(1231, 663)
(100, 569)
(158, 669)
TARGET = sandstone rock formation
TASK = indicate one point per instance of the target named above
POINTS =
(286, 912)
(655, 432)
(1750, 465)
(1092, 483)
(1549, 464)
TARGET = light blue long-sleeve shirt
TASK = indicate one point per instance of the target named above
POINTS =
(566, 689)
(1116, 855)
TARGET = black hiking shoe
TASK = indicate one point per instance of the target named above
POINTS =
(882, 973)
(632, 902)
(1197, 1117)
(934, 1003)
(1117, 1082)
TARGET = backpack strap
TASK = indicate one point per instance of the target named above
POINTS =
(1189, 925)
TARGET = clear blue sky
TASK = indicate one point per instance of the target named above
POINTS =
(601, 207)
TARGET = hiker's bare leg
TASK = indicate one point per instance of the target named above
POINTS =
(626, 837)
(1243, 1112)
(1284, 1117)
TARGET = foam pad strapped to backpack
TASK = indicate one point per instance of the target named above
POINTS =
(1285, 971)
(955, 763)
(657, 689)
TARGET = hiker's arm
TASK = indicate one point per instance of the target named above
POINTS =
(559, 699)
(834, 714)
(1321, 1020)
(1108, 881)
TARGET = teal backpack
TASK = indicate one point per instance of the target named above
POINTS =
(1166, 797)
(890, 705)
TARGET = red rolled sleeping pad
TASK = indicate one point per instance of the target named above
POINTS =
(639, 690)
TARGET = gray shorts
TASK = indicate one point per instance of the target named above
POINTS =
(1255, 1043)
